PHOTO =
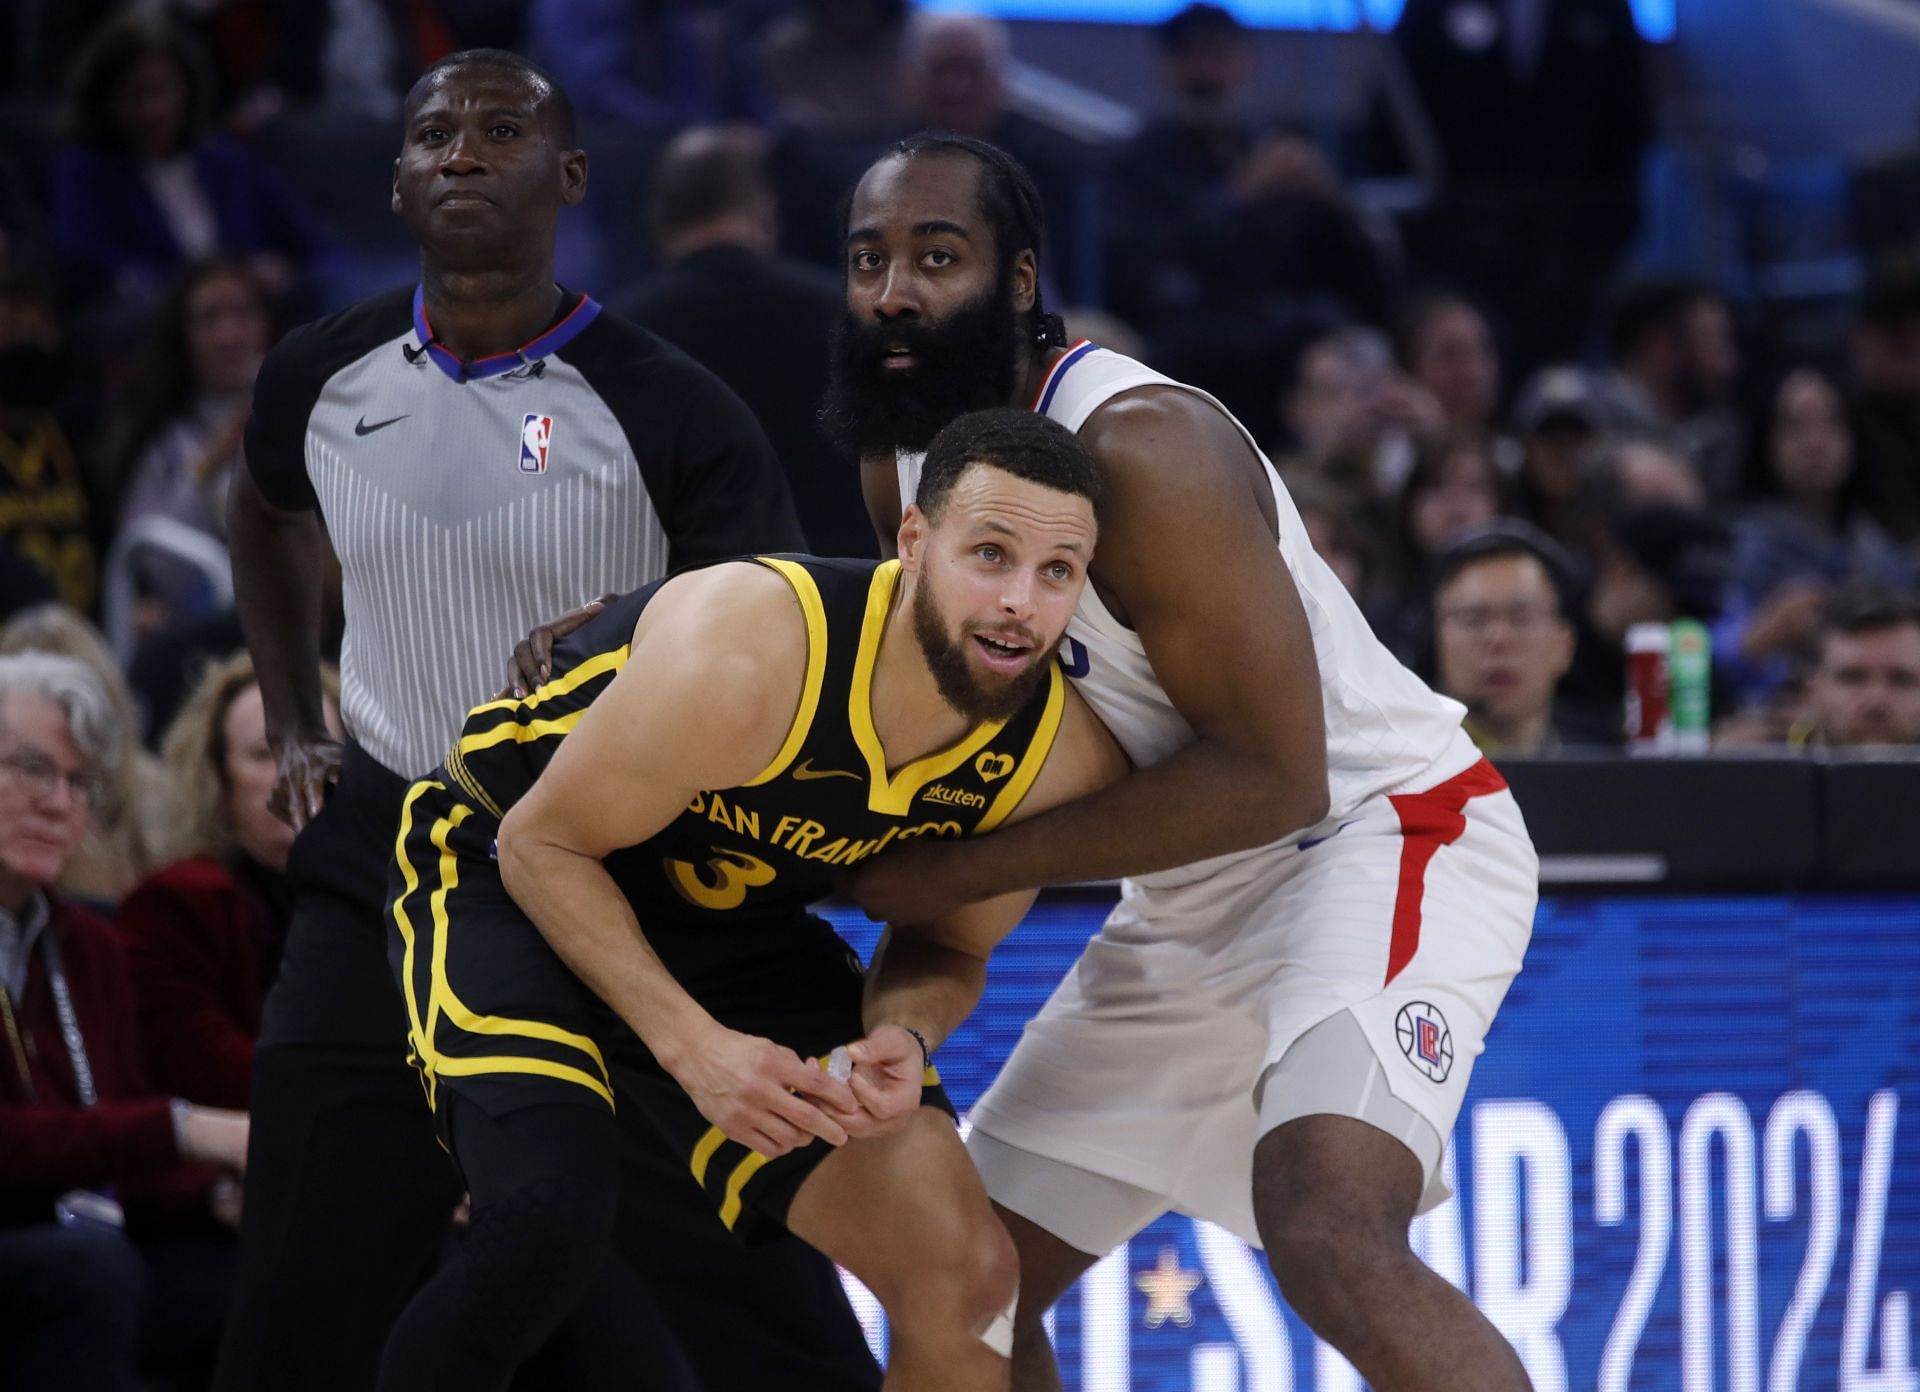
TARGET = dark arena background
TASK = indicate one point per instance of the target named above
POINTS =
(1584, 334)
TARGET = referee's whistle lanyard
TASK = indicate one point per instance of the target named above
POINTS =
(21, 1045)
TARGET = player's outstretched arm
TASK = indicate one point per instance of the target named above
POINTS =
(1187, 557)
(704, 701)
(927, 977)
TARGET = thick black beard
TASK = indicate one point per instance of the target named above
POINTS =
(965, 363)
(947, 660)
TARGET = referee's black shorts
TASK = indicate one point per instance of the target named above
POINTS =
(495, 1016)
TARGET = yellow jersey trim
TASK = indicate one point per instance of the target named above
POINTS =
(703, 1153)
(742, 1172)
(597, 665)
(1034, 759)
(470, 785)
(442, 1000)
(416, 1036)
(517, 1063)
(894, 794)
(559, 686)
(808, 593)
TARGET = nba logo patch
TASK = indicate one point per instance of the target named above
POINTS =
(536, 438)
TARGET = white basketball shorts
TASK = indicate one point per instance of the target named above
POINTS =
(1138, 1087)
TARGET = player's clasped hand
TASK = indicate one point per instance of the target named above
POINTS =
(765, 1096)
(532, 660)
(887, 1078)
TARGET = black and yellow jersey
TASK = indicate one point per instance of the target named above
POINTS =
(769, 848)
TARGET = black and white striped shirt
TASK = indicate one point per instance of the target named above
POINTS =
(469, 501)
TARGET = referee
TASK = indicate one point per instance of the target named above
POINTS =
(483, 450)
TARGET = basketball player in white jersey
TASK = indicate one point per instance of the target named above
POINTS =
(1328, 890)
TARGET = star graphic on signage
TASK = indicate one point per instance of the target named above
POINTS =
(1169, 1291)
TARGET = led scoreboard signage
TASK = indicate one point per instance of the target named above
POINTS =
(1655, 17)
(1689, 1161)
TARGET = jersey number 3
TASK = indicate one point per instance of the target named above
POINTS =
(723, 882)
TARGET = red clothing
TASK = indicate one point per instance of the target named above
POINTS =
(53, 1144)
(205, 944)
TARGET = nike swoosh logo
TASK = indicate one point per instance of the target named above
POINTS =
(806, 773)
(1320, 840)
(362, 428)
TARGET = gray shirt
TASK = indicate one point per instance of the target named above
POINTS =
(469, 502)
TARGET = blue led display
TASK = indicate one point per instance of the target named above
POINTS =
(1655, 17)
(1689, 1160)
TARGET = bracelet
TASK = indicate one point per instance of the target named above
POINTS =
(926, 1054)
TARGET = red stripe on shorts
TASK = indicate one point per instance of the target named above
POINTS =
(1429, 821)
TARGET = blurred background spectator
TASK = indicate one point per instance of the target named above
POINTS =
(124, 830)
(1352, 417)
(1446, 345)
(1542, 112)
(658, 64)
(1339, 537)
(143, 184)
(46, 514)
(716, 224)
(834, 65)
(1676, 364)
(204, 933)
(1558, 419)
(1865, 688)
(1212, 211)
(1503, 634)
(115, 1251)
(174, 439)
(1454, 488)
(1558, 245)
(1807, 531)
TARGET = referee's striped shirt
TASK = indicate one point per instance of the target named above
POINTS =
(469, 501)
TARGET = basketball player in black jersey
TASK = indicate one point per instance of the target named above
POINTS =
(601, 899)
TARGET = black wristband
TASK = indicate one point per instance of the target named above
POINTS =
(926, 1054)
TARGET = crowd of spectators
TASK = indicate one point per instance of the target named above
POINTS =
(1509, 446)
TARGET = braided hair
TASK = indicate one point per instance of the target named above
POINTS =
(1011, 202)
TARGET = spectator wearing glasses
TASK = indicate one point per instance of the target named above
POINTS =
(109, 1253)
(1503, 638)
(122, 835)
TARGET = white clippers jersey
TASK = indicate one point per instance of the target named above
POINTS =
(1385, 727)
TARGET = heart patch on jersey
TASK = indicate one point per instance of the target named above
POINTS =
(992, 767)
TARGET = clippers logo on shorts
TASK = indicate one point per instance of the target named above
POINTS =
(536, 437)
(1425, 1039)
